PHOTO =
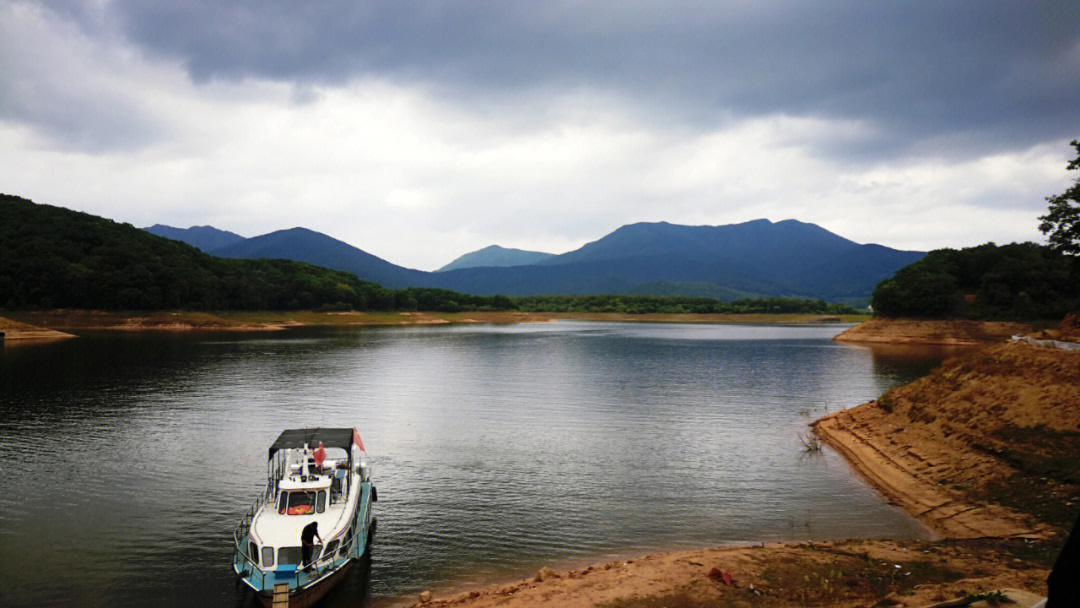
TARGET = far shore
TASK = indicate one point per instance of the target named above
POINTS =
(69, 319)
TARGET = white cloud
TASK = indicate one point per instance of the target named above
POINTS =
(419, 180)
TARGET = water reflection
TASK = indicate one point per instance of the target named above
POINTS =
(497, 448)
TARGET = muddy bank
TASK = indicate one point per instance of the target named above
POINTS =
(273, 321)
(957, 332)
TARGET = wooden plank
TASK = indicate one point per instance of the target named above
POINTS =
(281, 596)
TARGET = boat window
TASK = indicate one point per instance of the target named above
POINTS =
(332, 547)
(348, 540)
(336, 486)
(253, 551)
(267, 557)
(320, 505)
(288, 556)
(298, 503)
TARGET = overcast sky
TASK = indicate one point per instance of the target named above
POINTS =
(419, 131)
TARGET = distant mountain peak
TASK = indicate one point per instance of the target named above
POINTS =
(498, 257)
(206, 238)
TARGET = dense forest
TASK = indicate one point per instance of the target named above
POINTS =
(1017, 281)
(57, 258)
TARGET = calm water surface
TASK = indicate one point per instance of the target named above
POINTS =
(128, 459)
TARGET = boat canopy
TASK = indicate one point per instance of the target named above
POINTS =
(330, 438)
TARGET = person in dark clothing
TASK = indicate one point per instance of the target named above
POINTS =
(1063, 585)
(307, 542)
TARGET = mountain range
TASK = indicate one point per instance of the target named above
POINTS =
(756, 258)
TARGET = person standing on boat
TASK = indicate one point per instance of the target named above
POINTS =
(307, 543)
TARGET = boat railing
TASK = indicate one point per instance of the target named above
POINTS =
(247, 568)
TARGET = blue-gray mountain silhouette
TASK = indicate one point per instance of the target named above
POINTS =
(205, 238)
(303, 245)
(495, 255)
(760, 257)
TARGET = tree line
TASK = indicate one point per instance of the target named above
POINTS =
(1016, 281)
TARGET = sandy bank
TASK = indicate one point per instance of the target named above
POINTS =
(846, 573)
(15, 332)
(923, 331)
(272, 321)
(986, 445)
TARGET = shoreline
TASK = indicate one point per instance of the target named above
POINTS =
(789, 573)
(920, 460)
(944, 332)
(16, 333)
(181, 321)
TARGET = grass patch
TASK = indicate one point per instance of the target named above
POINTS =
(804, 582)
(677, 599)
(1047, 484)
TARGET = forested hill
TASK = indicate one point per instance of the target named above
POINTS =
(1017, 281)
(319, 249)
(57, 258)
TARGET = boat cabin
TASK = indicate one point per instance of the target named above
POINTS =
(313, 476)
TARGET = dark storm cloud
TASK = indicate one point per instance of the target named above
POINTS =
(923, 73)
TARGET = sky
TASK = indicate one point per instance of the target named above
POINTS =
(419, 131)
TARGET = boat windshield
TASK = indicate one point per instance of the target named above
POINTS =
(302, 502)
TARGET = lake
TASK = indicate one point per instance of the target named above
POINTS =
(129, 458)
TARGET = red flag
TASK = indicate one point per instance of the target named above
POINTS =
(356, 440)
(319, 455)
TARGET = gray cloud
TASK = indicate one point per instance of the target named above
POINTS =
(928, 75)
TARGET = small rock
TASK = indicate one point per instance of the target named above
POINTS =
(425, 597)
(474, 594)
(544, 574)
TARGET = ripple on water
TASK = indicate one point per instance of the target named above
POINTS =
(496, 448)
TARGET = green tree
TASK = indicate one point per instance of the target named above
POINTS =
(1062, 223)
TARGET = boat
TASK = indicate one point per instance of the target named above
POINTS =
(318, 475)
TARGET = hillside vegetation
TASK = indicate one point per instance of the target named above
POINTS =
(1016, 281)
(58, 258)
